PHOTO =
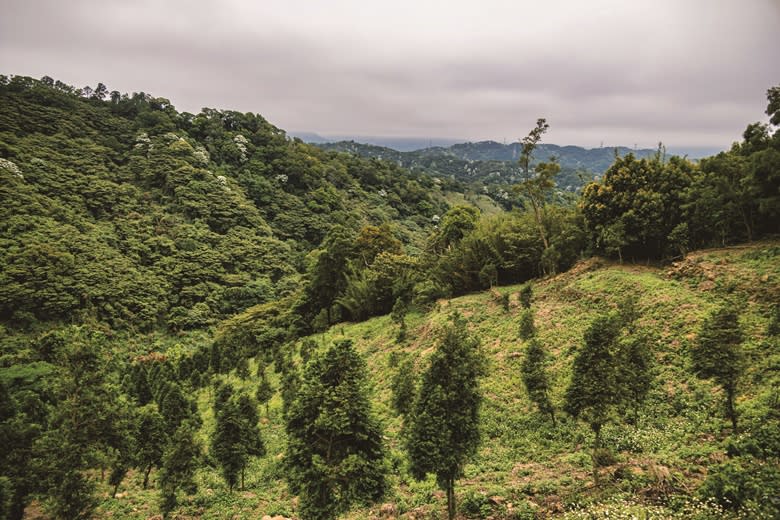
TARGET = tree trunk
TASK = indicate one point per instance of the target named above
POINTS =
(552, 417)
(540, 223)
(731, 412)
(748, 227)
(596, 446)
(146, 475)
(242, 479)
(451, 499)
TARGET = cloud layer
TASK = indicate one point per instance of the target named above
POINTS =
(690, 73)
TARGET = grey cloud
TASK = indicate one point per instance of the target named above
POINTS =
(694, 73)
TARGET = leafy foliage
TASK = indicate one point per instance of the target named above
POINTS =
(444, 424)
(718, 354)
(534, 374)
(335, 454)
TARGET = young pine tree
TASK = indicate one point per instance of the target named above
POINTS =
(718, 354)
(334, 448)
(85, 427)
(398, 315)
(175, 407)
(152, 439)
(308, 346)
(636, 372)
(527, 326)
(252, 439)
(180, 460)
(444, 423)
(526, 295)
(228, 443)
(595, 391)
(535, 377)
(403, 385)
(265, 391)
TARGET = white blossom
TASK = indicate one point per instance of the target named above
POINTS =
(142, 140)
(201, 156)
(240, 141)
(11, 167)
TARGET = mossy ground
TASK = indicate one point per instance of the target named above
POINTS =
(525, 466)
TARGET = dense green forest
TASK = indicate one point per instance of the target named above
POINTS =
(202, 317)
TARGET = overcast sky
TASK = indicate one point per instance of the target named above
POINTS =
(687, 72)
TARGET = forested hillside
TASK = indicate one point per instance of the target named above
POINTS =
(127, 211)
(201, 317)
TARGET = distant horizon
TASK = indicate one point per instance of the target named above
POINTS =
(414, 143)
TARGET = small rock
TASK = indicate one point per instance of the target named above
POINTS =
(388, 511)
(707, 285)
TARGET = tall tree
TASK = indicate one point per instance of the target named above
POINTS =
(328, 273)
(718, 354)
(250, 431)
(228, 443)
(534, 373)
(85, 428)
(21, 425)
(265, 390)
(181, 459)
(595, 391)
(334, 449)
(152, 439)
(444, 423)
(403, 385)
(636, 374)
(536, 185)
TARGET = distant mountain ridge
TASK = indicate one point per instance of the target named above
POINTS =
(492, 164)
(593, 160)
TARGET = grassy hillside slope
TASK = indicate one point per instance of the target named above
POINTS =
(525, 467)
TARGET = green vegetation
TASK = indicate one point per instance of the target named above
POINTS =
(335, 454)
(718, 354)
(165, 275)
(444, 428)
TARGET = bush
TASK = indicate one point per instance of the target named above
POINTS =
(475, 505)
(745, 484)
(604, 457)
